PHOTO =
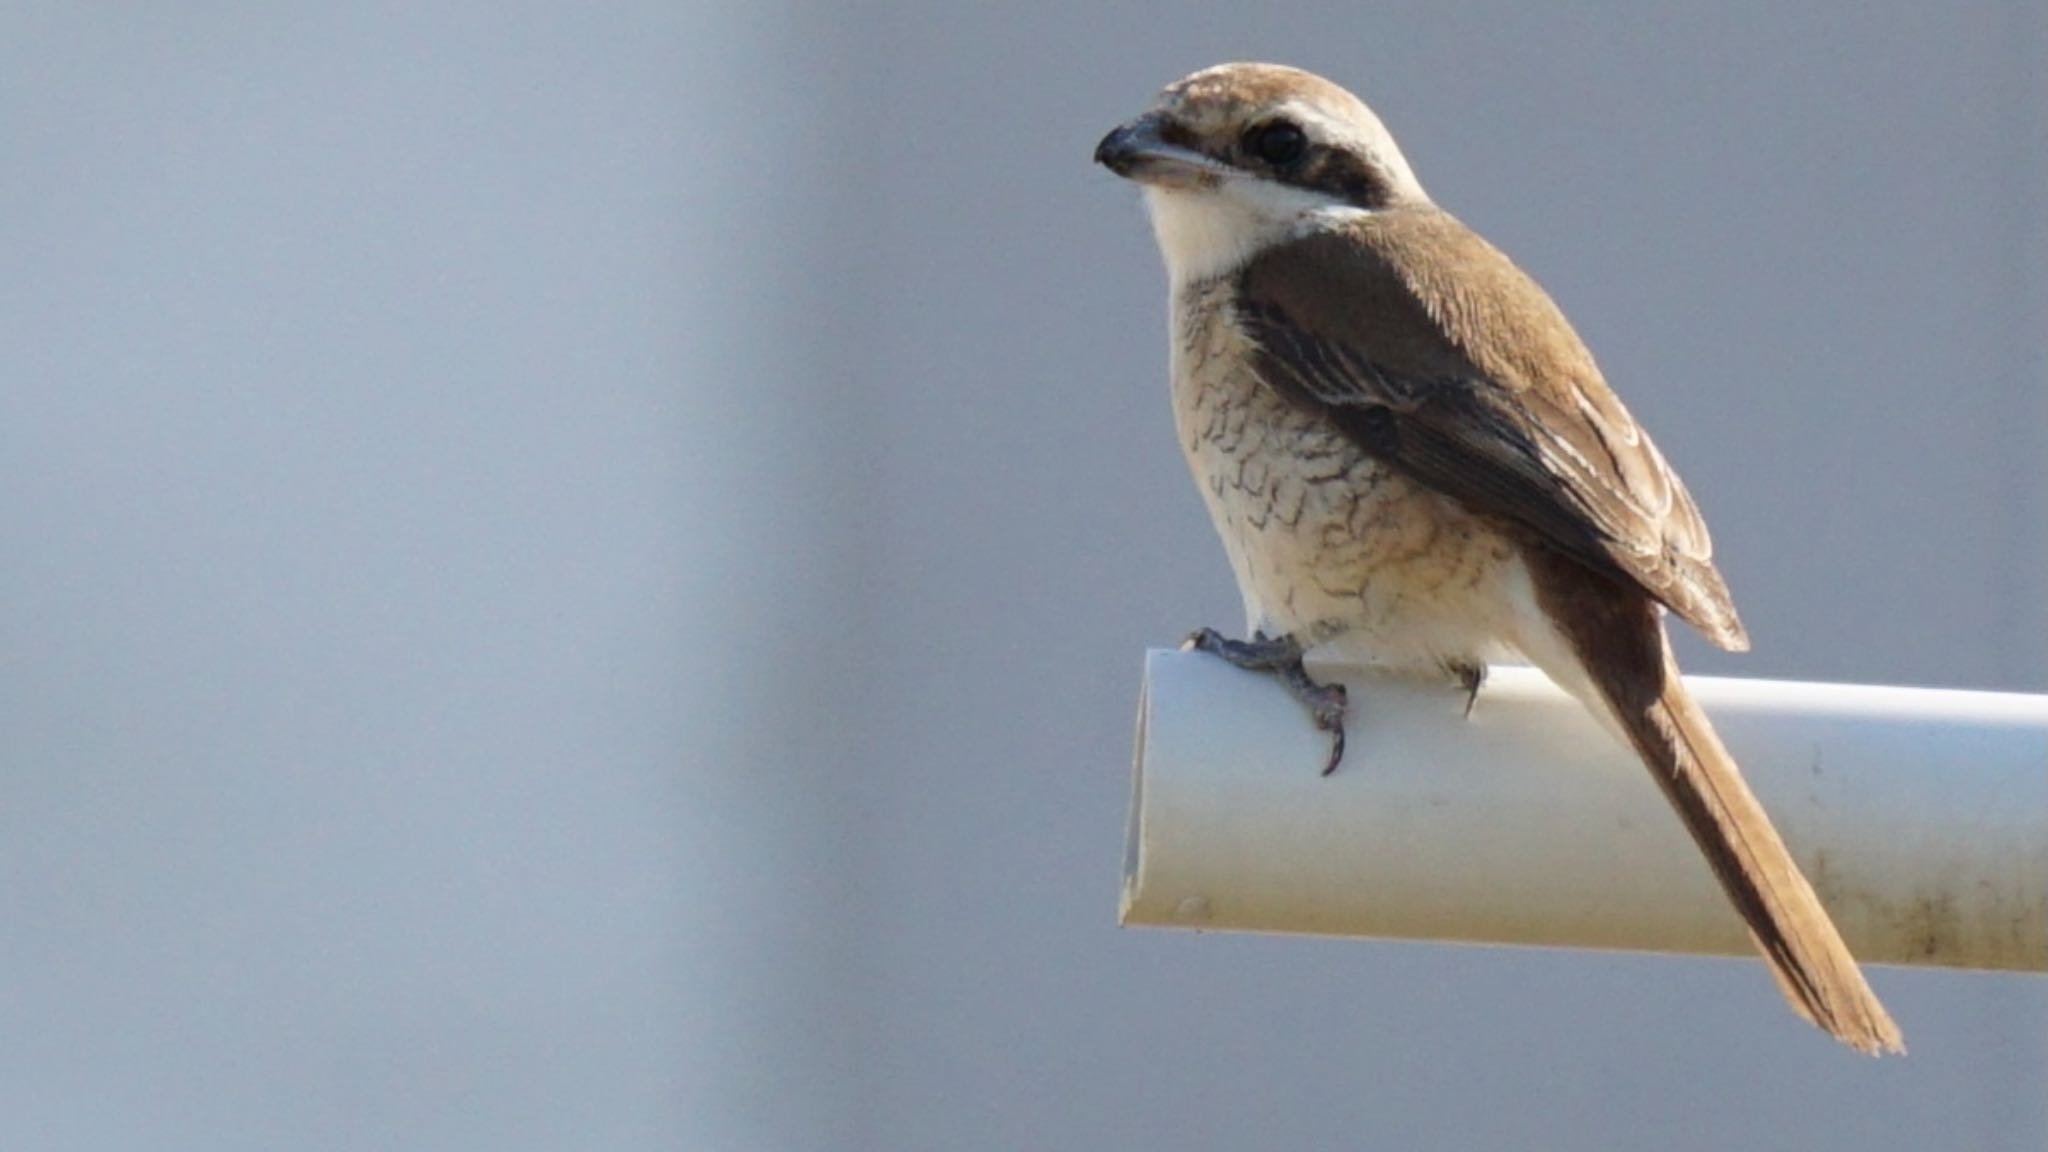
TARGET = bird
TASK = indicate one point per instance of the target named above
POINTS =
(1414, 463)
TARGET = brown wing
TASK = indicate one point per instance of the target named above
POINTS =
(1435, 353)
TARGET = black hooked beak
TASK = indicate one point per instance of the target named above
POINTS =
(1139, 150)
(1126, 143)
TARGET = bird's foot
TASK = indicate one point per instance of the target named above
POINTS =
(1281, 656)
(1469, 677)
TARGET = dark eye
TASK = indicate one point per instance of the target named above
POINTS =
(1277, 142)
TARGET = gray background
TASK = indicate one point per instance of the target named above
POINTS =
(576, 576)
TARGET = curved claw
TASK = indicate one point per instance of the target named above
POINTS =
(1336, 750)
(1469, 675)
(1327, 706)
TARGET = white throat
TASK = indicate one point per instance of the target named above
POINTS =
(1204, 233)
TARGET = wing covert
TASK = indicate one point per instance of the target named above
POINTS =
(1454, 366)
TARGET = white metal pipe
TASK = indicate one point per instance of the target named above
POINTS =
(1920, 816)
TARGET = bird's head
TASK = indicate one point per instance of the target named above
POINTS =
(1241, 156)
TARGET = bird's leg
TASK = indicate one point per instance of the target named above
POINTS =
(1469, 677)
(1281, 656)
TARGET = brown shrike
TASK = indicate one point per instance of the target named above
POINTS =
(1414, 464)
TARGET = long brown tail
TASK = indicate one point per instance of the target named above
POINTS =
(1627, 661)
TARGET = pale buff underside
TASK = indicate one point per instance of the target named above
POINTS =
(1327, 544)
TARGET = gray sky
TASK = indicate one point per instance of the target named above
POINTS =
(579, 574)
